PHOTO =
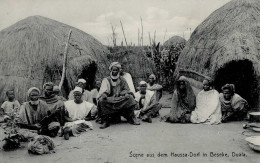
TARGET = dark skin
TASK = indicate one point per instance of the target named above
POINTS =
(77, 100)
(227, 94)
(114, 72)
(182, 86)
(206, 86)
(10, 96)
(48, 91)
(82, 85)
(143, 88)
(34, 96)
(151, 81)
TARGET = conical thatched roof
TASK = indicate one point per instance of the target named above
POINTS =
(230, 33)
(31, 52)
(174, 40)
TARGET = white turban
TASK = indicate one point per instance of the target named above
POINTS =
(114, 64)
(56, 88)
(152, 76)
(82, 81)
(142, 82)
(32, 89)
(78, 89)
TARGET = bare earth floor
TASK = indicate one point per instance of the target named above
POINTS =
(122, 143)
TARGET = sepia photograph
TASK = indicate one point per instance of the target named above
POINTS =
(129, 81)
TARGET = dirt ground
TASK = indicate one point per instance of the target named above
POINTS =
(123, 143)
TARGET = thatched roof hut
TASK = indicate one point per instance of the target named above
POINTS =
(226, 47)
(174, 41)
(31, 53)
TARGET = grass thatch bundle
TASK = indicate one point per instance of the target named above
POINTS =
(31, 53)
(226, 47)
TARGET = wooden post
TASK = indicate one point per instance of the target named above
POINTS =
(150, 39)
(164, 35)
(142, 32)
(154, 37)
(65, 61)
(123, 32)
(138, 38)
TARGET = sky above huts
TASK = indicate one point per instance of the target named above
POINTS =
(177, 17)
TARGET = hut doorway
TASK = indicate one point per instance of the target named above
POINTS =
(89, 74)
(240, 73)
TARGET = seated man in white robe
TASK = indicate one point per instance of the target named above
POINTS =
(148, 106)
(87, 96)
(77, 111)
(208, 108)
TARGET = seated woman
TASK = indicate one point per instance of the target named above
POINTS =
(183, 102)
(233, 106)
(207, 109)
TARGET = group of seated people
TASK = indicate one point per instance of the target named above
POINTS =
(51, 114)
(208, 107)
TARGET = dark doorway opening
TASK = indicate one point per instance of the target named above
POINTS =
(240, 73)
(89, 74)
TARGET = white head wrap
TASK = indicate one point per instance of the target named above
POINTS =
(82, 81)
(32, 89)
(142, 82)
(78, 89)
(152, 76)
(116, 64)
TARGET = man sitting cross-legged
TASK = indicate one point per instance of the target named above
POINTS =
(148, 106)
(115, 98)
(76, 112)
(34, 115)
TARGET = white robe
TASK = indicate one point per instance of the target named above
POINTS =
(147, 100)
(129, 81)
(77, 112)
(208, 108)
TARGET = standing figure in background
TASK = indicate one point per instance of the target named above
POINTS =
(128, 78)
(86, 94)
(147, 104)
(95, 90)
(10, 107)
(233, 106)
(152, 86)
(57, 92)
(183, 103)
(208, 109)
(115, 98)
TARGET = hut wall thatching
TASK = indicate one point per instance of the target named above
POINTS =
(31, 53)
(226, 47)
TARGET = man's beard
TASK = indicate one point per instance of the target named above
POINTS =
(114, 77)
